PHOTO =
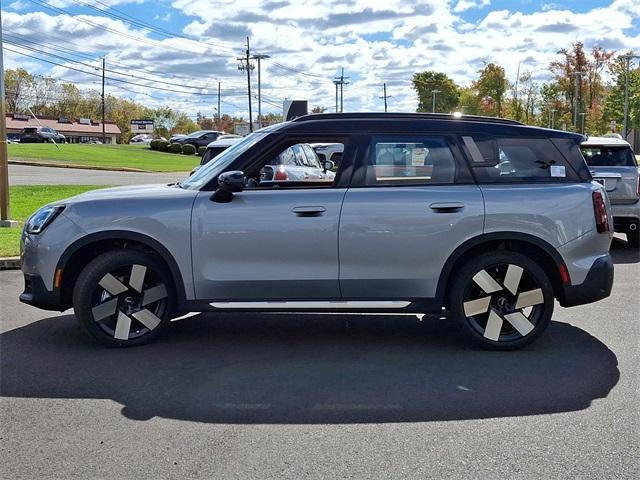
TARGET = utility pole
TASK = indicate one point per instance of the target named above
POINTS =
(341, 81)
(385, 96)
(218, 126)
(259, 56)
(433, 101)
(4, 166)
(104, 136)
(578, 76)
(628, 58)
(245, 64)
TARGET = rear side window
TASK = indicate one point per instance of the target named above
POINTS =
(410, 161)
(608, 156)
(517, 160)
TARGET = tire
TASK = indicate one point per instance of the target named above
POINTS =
(124, 298)
(486, 292)
(633, 239)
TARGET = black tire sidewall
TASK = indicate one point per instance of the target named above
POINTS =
(473, 266)
(87, 283)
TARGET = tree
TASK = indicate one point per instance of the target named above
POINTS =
(426, 82)
(318, 109)
(614, 103)
(491, 87)
(469, 101)
(525, 95)
(17, 88)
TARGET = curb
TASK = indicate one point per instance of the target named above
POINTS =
(81, 167)
(9, 263)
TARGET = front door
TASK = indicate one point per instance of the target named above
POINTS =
(276, 240)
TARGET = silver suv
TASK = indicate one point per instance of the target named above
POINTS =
(614, 165)
(421, 217)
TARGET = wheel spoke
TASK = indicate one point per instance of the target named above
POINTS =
(105, 309)
(147, 318)
(520, 323)
(112, 285)
(530, 298)
(136, 280)
(486, 282)
(476, 307)
(154, 294)
(123, 326)
(494, 326)
(512, 278)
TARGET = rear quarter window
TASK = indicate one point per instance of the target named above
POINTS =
(518, 160)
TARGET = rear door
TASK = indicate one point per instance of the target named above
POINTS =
(616, 169)
(412, 202)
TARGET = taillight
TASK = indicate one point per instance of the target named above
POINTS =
(600, 211)
(281, 174)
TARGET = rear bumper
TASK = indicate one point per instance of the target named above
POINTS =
(625, 215)
(36, 294)
(596, 286)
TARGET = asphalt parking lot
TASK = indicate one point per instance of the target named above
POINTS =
(323, 396)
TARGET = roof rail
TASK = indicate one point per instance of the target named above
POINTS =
(415, 116)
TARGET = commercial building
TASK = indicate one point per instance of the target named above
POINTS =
(80, 130)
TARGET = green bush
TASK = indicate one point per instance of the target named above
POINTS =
(201, 150)
(163, 145)
(154, 144)
(175, 148)
(188, 149)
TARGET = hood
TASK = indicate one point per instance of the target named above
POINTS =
(133, 192)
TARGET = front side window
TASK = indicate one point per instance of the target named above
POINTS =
(410, 161)
(516, 160)
(608, 156)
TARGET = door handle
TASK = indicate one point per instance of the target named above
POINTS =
(308, 211)
(446, 207)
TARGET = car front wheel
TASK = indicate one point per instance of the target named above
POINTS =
(502, 300)
(124, 298)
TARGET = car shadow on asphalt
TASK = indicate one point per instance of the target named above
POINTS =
(309, 369)
(621, 252)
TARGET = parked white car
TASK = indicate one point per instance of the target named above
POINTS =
(298, 163)
(143, 138)
(328, 151)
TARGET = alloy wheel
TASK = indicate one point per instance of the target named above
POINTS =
(129, 302)
(503, 302)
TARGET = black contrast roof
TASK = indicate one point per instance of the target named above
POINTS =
(405, 116)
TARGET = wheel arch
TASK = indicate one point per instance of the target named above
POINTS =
(88, 247)
(537, 249)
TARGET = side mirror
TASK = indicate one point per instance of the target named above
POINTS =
(228, 184)
(328, 165)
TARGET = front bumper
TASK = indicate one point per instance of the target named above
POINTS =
(36, 294)
(596, 286)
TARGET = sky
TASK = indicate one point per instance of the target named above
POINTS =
(174, 52)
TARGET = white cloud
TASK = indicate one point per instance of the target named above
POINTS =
(18, 5)
(376, 41)
(464, 5)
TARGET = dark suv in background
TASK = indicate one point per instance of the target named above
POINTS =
(41, 135)
(201, 138)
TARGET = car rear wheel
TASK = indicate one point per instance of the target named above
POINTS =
(124, 298)
(502, 300)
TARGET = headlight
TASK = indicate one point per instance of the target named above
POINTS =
(43, 217)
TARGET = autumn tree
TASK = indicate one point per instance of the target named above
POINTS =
(424, 83)
(469, 101)
(614, 103)
(492, 86)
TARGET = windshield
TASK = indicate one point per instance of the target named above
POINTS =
(197, 134)
(608, 156)
(211, 169)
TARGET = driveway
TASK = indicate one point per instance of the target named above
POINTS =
(33, 175)
(246, 396)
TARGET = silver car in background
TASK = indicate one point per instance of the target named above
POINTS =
(614, 165)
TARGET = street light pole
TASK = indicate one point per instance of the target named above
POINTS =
(578, 76)
(583, 115)
(552, 117)
(433, 101)
(628, 58)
